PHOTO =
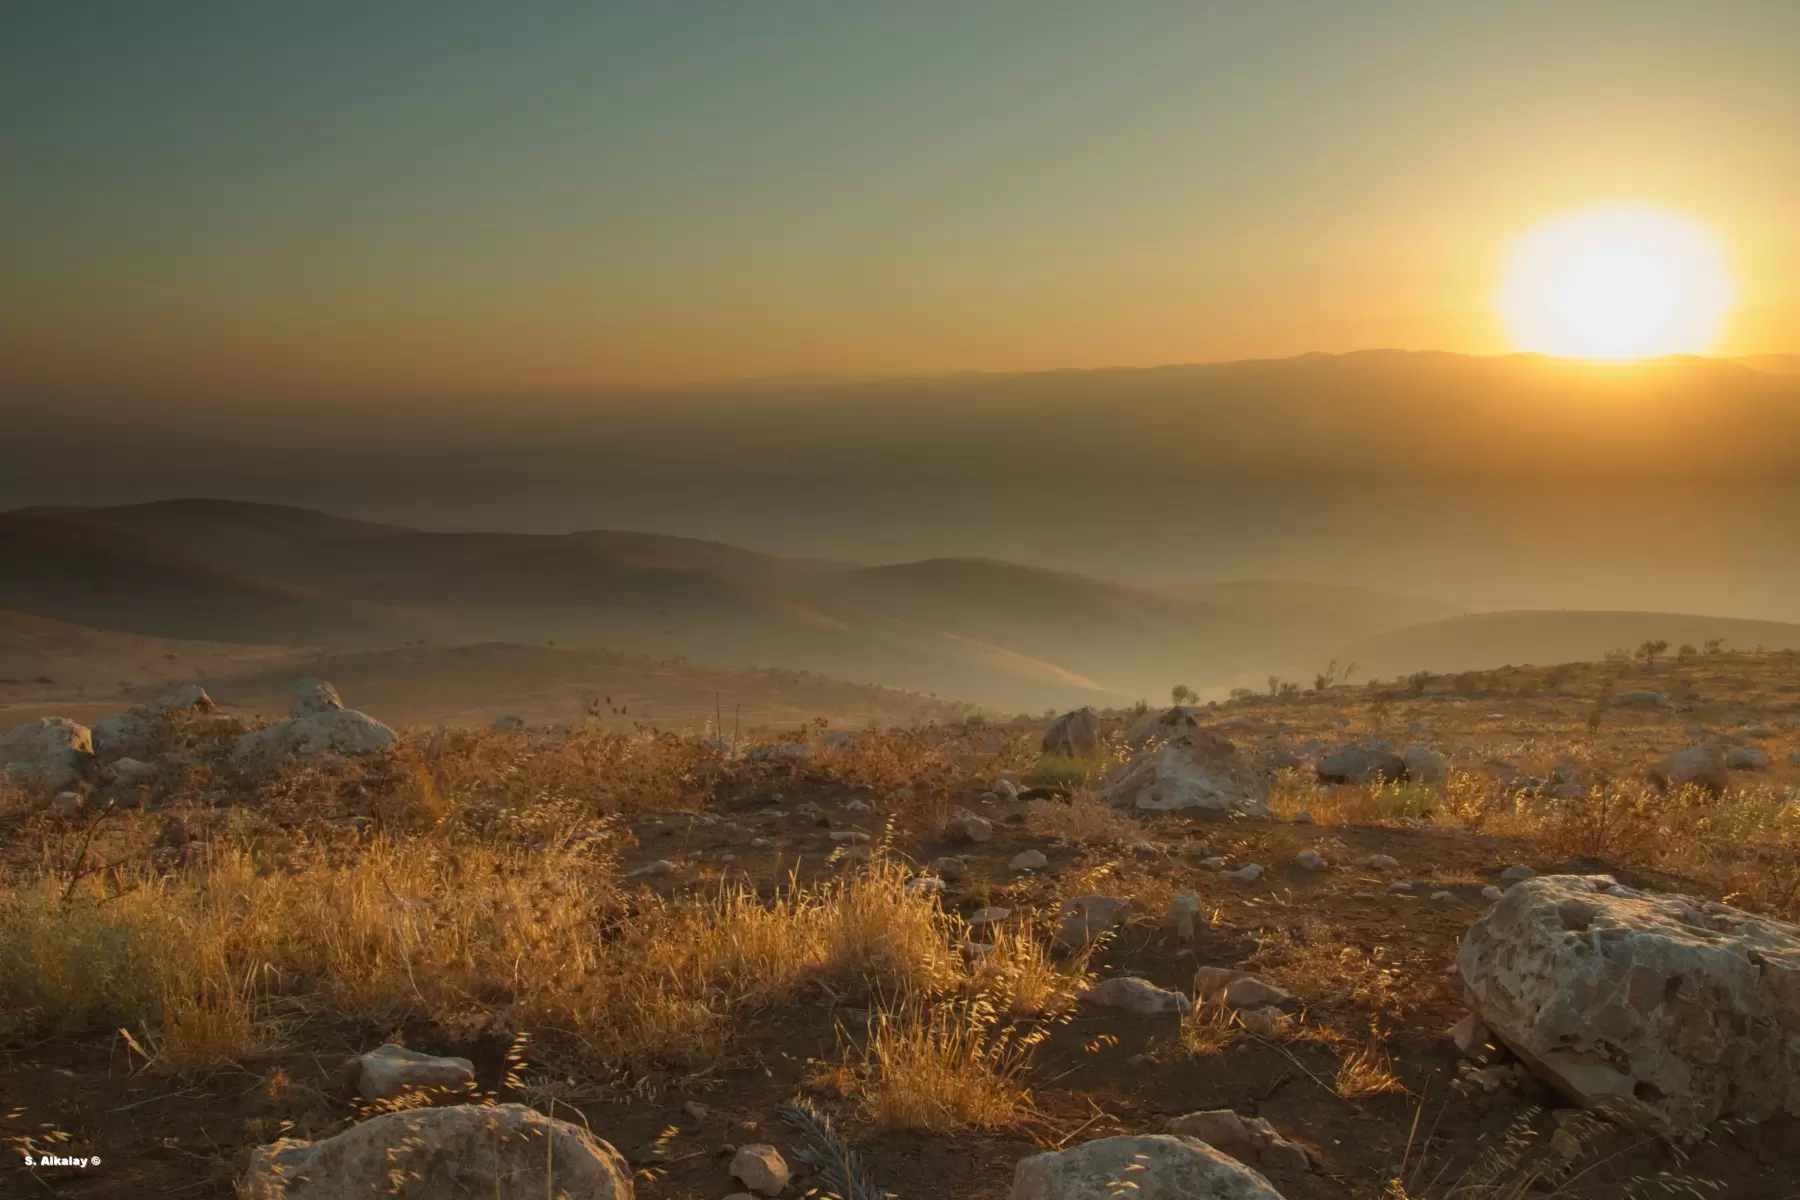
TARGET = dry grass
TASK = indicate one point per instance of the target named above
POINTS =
(1366, 1072)
(942, 1067)
(1083, 819)
(1207, 1029)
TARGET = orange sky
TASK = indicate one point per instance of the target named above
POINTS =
(252, 203)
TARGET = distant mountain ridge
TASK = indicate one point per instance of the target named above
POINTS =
(999, 633)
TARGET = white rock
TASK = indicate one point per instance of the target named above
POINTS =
(760, 1168)
(1198, 770)
(1137, 996)
(1183, 914)
(966, 826)
(51, 753)
(1146, 1167)
(333, 731)
(1445, 898)
(312, 697)
(1085, 919)
(1233, 987)
(391, 1070)
(1028, 860)
(1490, 893)
(1656, 1009)
(1214, 862)
(496, 1152)
(988, 916)
(135, 732)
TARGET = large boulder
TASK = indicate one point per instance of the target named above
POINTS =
(1425, 765)
(135, 732)
(504, 1152)
(52, 753)
(334, 731)
(1697, 766)
(1151, 1167)
(1656, 1009)
(1074, 735)
(1361, 764)
(312, 697)
(1196, 769)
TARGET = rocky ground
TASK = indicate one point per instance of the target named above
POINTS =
(665, 942)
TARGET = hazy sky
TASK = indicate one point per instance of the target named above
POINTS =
(320, 198)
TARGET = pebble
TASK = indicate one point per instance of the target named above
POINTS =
(1249, 873)
(1443, 897)
(1029, 860)
(1310, 860)
(760, 1168)
(1400, 888)
(1379, 862)
(1214, 863)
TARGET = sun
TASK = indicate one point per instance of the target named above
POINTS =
(1615, 284)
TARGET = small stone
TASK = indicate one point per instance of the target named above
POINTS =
(965, 826)
(1139, 997)
(1215, 862)
(1469, 1034)
(1303, 817)
(696, 1110)
(989, 915)
(391, 1070)
(1516, 874)
(1028, 860)
(760, 843)
(849, 837)
(1490, 893)
(1267, 1021)
(1310, 860)
(1443, 898)
(1400, 888)
(1146, 849)
(760, 1168)
(950, 869)
(929, 885)
(661, 866)
(1379, 862)
(1183, 913)
(1245, 874)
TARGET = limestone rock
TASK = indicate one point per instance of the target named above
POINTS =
(312, 697)
(504, 1152)
(135, 732)
(1196, 770)
(1425, 765)
(1242, 1137)
(1361, 764)
(1658, 1010)
(1137, 996)
(391, 1070)
(1084, 919)
(1074, 735)
(1697, 766)
(760, 1168)
(51, 753)
(966, 826)
(333, 731)
(1147, 1167)
(1232, 987)
(1746, 758)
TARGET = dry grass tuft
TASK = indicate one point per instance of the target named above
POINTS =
(942, 1067)
(1367, 1072)
(1084, 819)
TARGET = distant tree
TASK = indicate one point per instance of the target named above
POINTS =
(1650, 649)
(1715, 645)
(1181, 693)
(1686, 652)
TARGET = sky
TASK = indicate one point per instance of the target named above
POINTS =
(336, 199)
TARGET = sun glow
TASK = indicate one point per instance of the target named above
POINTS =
(1615, 284)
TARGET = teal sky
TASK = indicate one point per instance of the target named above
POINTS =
(327, 197)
